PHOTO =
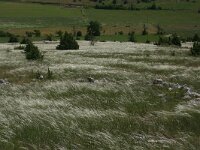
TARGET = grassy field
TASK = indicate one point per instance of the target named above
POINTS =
(17, 17)
(122, 109)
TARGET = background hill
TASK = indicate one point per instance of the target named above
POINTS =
(181, 17)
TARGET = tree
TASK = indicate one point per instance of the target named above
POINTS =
(144, 32)
(175, 40)
(114, 2)
(196, 38)
(159, 30)
(94, 28)
(49, 37)
(79, 33)
(132, 37)
(32, 52)
(37, 33)
(29, 34)
(195, 50)
(67, 42)
(13, 39)
(59, 33)
(25, 40)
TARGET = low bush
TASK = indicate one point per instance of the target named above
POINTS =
(172, 40)
(32, 52)
(49, 37)
(29, 34)
(25, 40)
(132, 37)
(13, 39)
(79, 33)
(195, 50)
(154, 7)
(175, 40)
(88, 37)
(196, 38)
(144, 32)
(120, 32)
(67, 42)
(59, 33)
(4, 34)
(37, 33)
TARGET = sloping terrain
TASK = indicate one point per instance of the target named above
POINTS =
(108, 96)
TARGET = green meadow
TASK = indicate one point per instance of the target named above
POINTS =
(15, 16)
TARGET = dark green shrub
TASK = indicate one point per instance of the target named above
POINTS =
(154, 7)
(88, 37)
(59, 33)
(160, 31)
(32, 52)
(49, 74)
(132, 37)
(29, 34)
(4, 34)
(37, 33)
(195, 50)
(79, 33)
(144, 32)
(175, 40)
(94, 28)
(25, 40)
(13, 39)
(164, 41)
(196, 38)
(120, 32)
(49, 37)
(67, 42)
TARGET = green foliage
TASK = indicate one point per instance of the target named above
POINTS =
(25, 40)
(32, 52)
(79, 33)
(94, 28)
(59, 33)
(67, 42)
(29, 34)
(13, 39)
(175, 40)
(154, 7)
(4, 34)
(49, 37)
(144, 32)
(89, 37)
(120, 32)
(49, 74)
(196, 38)
(160, 31)
(195, 50)
(132, 37)
(37, 33)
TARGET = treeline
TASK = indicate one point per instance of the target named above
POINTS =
(124, 7)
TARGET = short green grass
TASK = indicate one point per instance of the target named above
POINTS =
(29, 16)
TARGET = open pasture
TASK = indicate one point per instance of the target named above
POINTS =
(121, 109)
(17, 17)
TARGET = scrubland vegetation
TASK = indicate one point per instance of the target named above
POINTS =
(58, 91)
(121, 109)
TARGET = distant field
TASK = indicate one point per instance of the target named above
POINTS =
(15, 16)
